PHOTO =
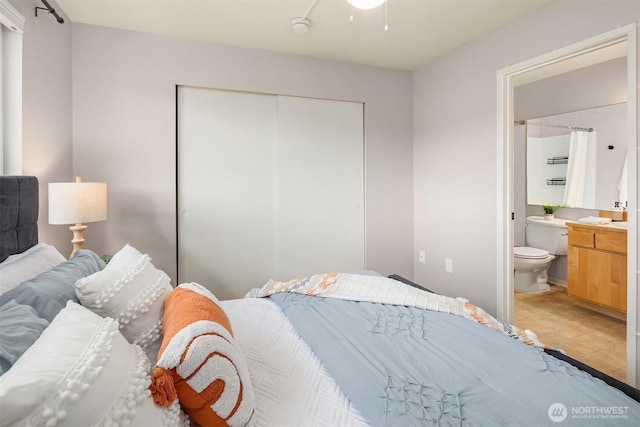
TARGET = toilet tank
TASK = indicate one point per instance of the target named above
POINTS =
(550, 235)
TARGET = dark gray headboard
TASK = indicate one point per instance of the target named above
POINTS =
(18, 214)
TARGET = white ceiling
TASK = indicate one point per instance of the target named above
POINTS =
(419, 30)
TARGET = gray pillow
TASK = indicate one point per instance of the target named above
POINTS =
(20, 327)
(49, 292)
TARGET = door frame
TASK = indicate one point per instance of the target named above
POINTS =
(506, 82)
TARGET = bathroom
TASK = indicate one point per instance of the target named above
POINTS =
(593, 98)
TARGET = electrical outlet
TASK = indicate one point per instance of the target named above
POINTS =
(448, 265)
(422, 257)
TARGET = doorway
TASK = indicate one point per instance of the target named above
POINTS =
(557, 62)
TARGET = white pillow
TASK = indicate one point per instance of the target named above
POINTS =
(82, 372)
(132, 291)
(25, 266)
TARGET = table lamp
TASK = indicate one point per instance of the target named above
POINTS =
(76, 203)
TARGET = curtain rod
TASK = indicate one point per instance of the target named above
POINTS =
(524, 122)
(51, 10)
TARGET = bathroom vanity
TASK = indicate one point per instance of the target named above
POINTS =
(597, 267)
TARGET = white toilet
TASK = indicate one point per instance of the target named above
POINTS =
(545, 239)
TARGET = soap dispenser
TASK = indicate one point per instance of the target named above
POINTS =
(617, 212)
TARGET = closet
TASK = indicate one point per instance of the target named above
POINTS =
(269, 186)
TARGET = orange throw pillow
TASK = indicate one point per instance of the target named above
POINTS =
(200, 362)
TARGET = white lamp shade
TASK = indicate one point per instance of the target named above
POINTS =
(77, 202)
(365, 4)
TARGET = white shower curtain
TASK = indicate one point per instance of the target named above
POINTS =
(580, 186)
(623, 190)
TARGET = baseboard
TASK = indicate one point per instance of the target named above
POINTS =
(620, 315)
(554, 281)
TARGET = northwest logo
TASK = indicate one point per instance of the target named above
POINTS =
(557, 412)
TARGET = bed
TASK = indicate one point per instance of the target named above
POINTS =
(84, 343)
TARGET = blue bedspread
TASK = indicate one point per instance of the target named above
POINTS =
(404, 366)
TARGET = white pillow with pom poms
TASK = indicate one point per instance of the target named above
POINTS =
(132, 291)
(82, 372)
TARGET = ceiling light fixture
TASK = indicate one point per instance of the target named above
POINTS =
(365, 4)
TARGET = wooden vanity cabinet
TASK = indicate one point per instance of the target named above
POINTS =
(597, 268)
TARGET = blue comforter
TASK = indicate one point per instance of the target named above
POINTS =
(403, 366)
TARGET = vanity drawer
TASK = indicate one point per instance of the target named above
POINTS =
(612, 242)
(582, 238)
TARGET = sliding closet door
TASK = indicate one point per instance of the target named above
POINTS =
(226, 189)
(268, 187)
(320, 188)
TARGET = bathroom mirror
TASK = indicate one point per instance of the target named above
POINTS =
(578, 159)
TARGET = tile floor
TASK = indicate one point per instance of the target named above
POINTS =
(590, 337)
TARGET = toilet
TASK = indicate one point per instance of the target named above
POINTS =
(545, 239)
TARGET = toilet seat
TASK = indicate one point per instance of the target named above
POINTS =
(527, 252)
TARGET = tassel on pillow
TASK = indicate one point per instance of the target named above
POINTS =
(200, 362)
(162, 388)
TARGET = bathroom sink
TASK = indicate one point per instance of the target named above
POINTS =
(619, 224)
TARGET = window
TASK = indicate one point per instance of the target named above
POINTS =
(12, 24)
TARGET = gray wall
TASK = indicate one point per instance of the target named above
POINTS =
(455, 152)
(124, 87)
(46, 110)
(589, 87)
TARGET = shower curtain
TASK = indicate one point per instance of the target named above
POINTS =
(623, 190)
(580, 188)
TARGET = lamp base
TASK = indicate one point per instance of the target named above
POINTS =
(78, 239)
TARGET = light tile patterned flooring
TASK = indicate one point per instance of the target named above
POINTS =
(590, 337)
